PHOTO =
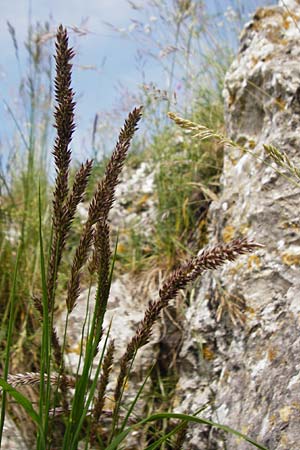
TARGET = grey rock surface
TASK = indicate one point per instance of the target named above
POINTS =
(12, 439)
(241, 350)
(124, 310)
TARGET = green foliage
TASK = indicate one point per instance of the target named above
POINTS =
(56, 261)
(25, 175)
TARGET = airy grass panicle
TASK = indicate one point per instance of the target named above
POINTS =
(32, 378)
(282, 160)
(202, 133)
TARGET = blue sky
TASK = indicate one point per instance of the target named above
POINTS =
(96, 89)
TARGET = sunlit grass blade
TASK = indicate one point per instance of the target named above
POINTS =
(12, 301)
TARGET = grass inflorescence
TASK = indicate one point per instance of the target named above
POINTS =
(77, 400)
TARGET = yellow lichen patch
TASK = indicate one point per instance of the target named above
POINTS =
(177, 400)
(291, 259)
(293, 225)
(280, 103)
(244, 229)
(290, 17)
(251, 144)
(273, 419)
(232, 160)
(284, 439)
(109, 404)
(232, 98)
(286, 24)
(140, 205)
(202, 225)
(76, 349)
(236, 269)
(255, 60)
(272, 353)
(250, 310)
(263, 13)
(225, 376)
(207, 353)
(285, 413)
(245, 429)
(228, 233)
(121, 248)
(253, 262)
(274, 35)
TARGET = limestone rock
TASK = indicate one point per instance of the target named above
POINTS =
(124, 310)
(248, 373)
(12, 439)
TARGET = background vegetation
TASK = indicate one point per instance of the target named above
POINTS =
(187, 40)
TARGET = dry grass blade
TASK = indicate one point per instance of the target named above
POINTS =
(106, 413)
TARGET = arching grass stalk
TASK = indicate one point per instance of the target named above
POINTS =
(186, 418)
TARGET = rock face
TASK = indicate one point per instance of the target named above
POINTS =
(241, 351)
(12, 439)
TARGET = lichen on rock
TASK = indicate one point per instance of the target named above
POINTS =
(252, 381)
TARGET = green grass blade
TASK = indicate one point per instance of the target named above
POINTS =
(189, 418)
(90, 396)
(9, 338)
(138, 394)
(165, 437)
(44, 400)
(26, 404)
(118, 439)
